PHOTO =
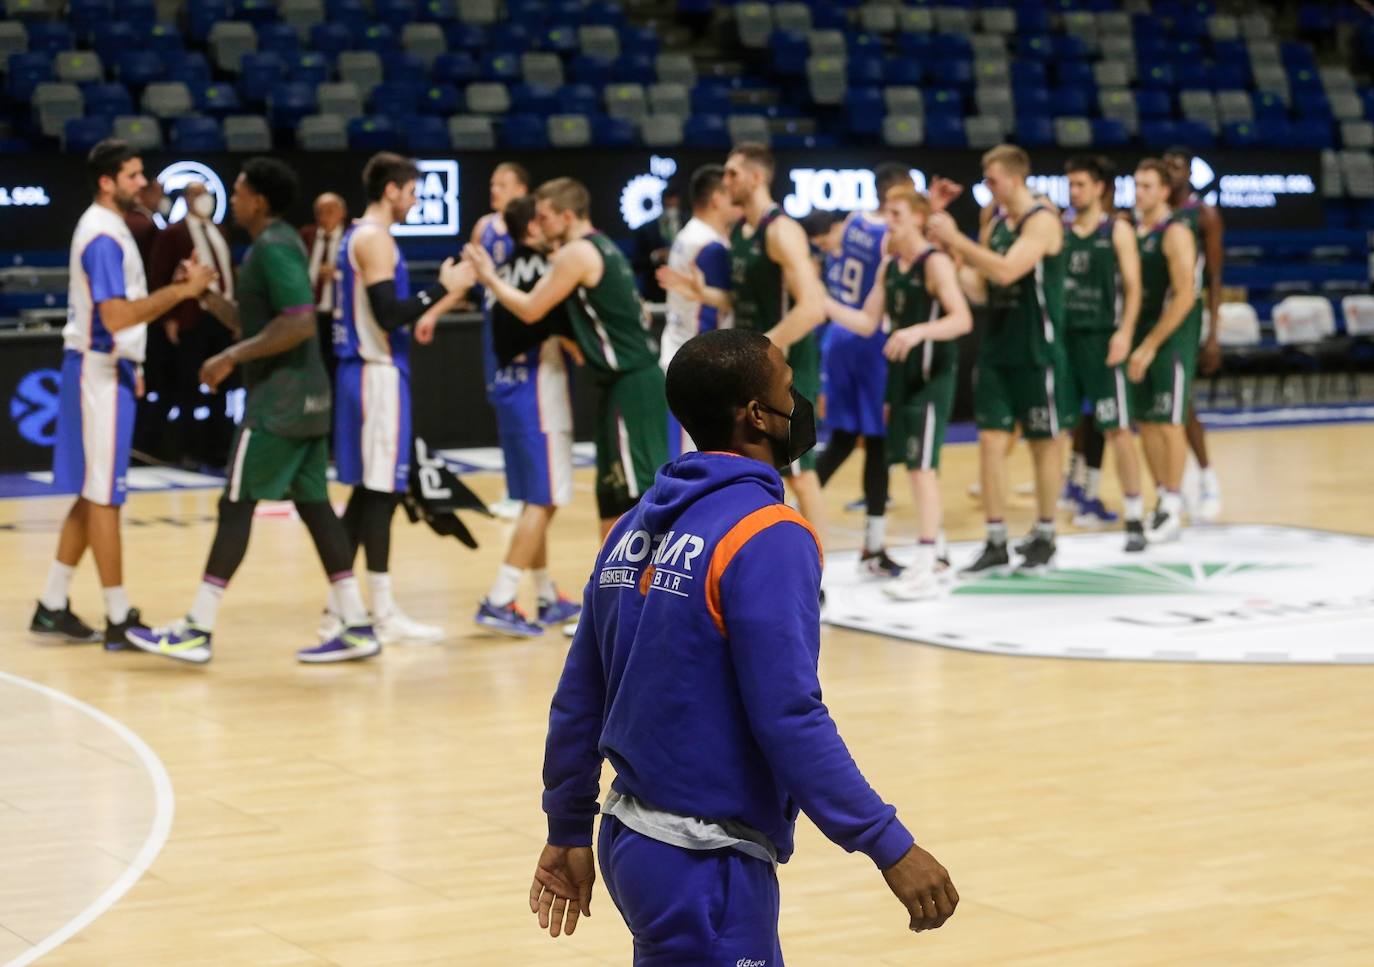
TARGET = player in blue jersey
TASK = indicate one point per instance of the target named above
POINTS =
(372, 425)
(856, 373)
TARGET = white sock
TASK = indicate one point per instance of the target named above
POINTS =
(1211, 486)
(997, 532)
(379, 586)
(1077, 467)
(1091, 479)
(544, 586)
(504, 589)
(331, 602)
(55, 592)
(1171, 501)
(1044, 528)
(924, 562)
(350, 601)
(116, 604)
(875, 533)
(1134, 507)
(205, 608)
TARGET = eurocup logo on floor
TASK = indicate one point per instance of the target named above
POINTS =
(436, 202)
(177, 176)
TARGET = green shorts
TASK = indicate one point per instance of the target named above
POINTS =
(1091, 378)
(1037, 397)
(631, 438)
(917, 423)
(265, 466)
(1163, 395)
(805, 360)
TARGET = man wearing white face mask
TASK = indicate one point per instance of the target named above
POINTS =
(198, 424)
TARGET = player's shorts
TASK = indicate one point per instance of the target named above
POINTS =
(372, 429)
(855, 383)
(533, 403)
(804, 358)
(1034, 396)
(1090, 378)
(631, 438)
(95, 427)
(1162, 396)
(265, 466)
(708, 908)
(539, 467)
(916, 430)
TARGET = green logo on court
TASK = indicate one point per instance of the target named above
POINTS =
(1118, 579)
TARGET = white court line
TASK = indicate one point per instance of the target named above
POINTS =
(157, 836)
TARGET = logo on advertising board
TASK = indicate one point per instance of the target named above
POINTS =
(176, 176)
(436, 202)
(641, 200)
(836, 189)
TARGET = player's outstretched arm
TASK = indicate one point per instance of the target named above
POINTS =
(863, 321)
(1040, 235)
(788, 247)
(121, 313)
(570, 267)
(694, 286)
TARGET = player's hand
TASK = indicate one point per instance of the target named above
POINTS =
(480, 260)
(900, 344)
(1139, 362)
(326, 272)
(940, 227)
(562, 888)
(1209, 357)
(924, 887)
(1118, 348)
(172, 331)
(198, 277)
(688, 286)
(942, 192)
(456, 276)
(216, 370)
(571, 347)
(424, 328)
(140, 384)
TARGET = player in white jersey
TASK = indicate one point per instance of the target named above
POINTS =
(702, 247)
(103, 342)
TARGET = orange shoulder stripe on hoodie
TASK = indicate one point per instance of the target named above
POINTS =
(735, 539)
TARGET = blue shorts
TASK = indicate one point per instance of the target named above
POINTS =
(372, 435)
(538, 467)
(716, 908)
(95, 427)
(855, 383)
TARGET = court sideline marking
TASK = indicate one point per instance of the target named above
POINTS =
(165, 805)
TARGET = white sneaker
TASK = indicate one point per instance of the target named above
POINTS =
(1163, 527)
(398, 626)
(570, 629)
(913, 586)
(506, 509)
(331, 626)
(1209, 507)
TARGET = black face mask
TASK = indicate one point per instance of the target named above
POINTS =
(801, 431)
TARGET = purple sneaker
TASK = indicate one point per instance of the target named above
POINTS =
(508, 620)
(1071, 498)
(558, 612)
(349, 645)
(1092, 513)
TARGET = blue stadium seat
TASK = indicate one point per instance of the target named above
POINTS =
(560, 40)
(865, 69)
(1230, 76)
(113, 39)
(216, 99)
(953, 71)
(903, 71)
(255, 11)
(586, 69)
(1070, 101)
(80, 135)
(1242, 135)
(531, 12)
(1299, 78)
(279, 38)
(1075, 73)
(309, 68)
(609, 132)
(603, 14)
(639, 40)
(706, 131)
(261, 73)
(1109, 133)
(945, 131)
(579, 99)
(465, 37)
(1158, 134)
(1032, 131)
(426, 134)
(524, 132)
(510, 38)
(952, 45)
(89, 16)
(396, 14)
(1032, 18)
(918, 46)
(710, 97)
(565, 13)
(202, 15)
(197, 134)
(138, 68)
(1151, 103)
(350, 14)
(1269, 106)
(1069, 47)
(330, 38)
(438, 11)
(50, 37)
(1190, 75)
(377, 37)
(1311, 104)
(26, 72)
(945, 102)
(441, 99)
(397, 65)
(1296, 54)
(1034, 99)
(1195, 134)
(789, 50)
(288, 103)
(1025, 72)
(534, 99)
(636, 68)
(501, 67)
(1191, 25)
(109, 100)
(1156, 76)
(1034, 47)
(864, 109)
(456, 68)
(1274, 132)
(1311, 133)
(373, 134)
(395, 99)
(187, 66)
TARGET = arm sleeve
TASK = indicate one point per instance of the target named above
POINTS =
(774, 644)
(288, 279)
(714, 262)
(392, 313)
(572, 754)
(103, 262)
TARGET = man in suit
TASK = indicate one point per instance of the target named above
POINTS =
(322, 243)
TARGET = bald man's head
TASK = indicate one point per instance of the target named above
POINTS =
(330, 211)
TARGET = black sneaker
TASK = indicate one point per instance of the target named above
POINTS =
(62, 624)
(993, 558)
(116, 635)
(1135, 536)
(1024, 544)
(1038, 556)
(877, 564)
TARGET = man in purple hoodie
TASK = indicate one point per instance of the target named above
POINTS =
(694, 672)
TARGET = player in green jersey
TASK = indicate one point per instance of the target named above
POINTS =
(1161, 365)
(281, 449)
(1017, 268)
(593, 277)
(1205, 221)
(1101, 305)
(917, 287)
(774, 289)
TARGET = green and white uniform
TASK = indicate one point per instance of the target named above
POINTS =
(1162, 396)
(632, 408)
(1092, 307)
(281, 448)
(759, 293)
(1020, 373)
(920, 391)
(1190, 214)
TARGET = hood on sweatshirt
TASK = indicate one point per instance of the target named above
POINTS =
(695, 475)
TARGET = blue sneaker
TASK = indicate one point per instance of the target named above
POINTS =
(349, 645)
(1092, 513)
(558, 612)
(180, 641)
(508, 620)
(1071, 497)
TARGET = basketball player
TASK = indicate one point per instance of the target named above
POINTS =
(710, 754)
(774, 289)
(856, 372)
(594, 277)
(108, 306)
(281, 448)
(1205, 222)
(1101, 305)
(1164, 358)
(917, 287)
(532, 397)
(1017, 267)
(700, 246)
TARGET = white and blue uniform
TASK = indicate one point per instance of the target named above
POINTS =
(500, 246)
(855, 370)
(372, 428)
(95, 422)
(701, 246)
(532, 396)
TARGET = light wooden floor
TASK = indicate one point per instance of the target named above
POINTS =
(387, 813)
